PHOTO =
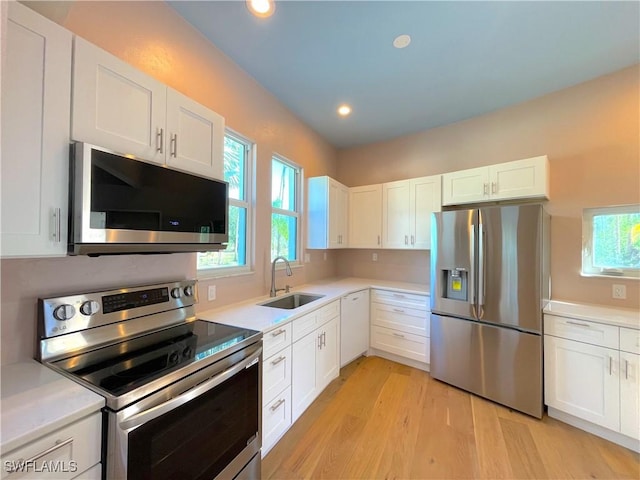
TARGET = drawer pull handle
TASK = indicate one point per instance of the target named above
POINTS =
(626, 369)
(38, 456)
(398, 295)
(399, 335)
(579, 324)
(610, 365)
(278, 333)
(399, 310)
(276, 405)
(278, 360)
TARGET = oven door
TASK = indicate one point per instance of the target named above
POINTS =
(205, 426)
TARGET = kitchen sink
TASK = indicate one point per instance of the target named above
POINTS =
(291, 301)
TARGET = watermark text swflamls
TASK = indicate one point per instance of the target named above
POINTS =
(44, 466)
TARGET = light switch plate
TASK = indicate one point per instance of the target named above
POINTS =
(211, 293)
(619, 291)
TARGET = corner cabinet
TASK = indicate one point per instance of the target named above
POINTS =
(528, 178)
(591, 374)
(365, 216)
(407, 206)
(328, 202)
(118, 107)
(36, 90)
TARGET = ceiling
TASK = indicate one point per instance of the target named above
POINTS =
(465, 58)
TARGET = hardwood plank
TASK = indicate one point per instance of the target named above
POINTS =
(384, 420)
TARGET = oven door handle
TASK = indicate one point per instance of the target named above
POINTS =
(142, 417)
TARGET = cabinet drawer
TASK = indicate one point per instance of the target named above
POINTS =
(582, 331)
(304, 325)
(276, 374)
(276, 419)
(78, 443)
(404, 344)
(276, 340)
(629, 340)
(408, 300)
(404, 319)
(328, 312)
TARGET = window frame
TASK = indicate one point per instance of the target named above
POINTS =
(295, 213)
(588, 269)
(248, 204)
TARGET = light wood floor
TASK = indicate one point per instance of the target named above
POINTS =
(382, 420)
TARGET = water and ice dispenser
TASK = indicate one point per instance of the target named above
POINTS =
(455, 284)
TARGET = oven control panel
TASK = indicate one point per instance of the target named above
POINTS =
(73, 313)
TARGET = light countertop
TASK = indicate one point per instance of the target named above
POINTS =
(36, 401)
(621, 317)
(250, 314)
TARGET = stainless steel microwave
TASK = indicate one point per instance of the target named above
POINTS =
(121, 205)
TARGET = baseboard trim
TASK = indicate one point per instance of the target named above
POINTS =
(597, 430)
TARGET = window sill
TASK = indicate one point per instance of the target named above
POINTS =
(211, 274)
(610, 277)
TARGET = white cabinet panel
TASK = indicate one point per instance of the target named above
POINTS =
(117, 106)
(196, 136)
(276, 340)
(354, 326)
(276, 374)
(327, 213)
(582, 331)
(400, 343)
(582, 380)
(36, 91)
(276, 419)
(426, 198)
(329, 353)
(630, 395)
(630, 340)
(304, 381)
(465, 186)
(365, 216)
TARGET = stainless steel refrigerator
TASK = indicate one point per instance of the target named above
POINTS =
(489, 284)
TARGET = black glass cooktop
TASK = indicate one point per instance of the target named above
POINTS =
(123, 367)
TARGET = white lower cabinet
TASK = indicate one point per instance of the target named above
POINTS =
(72, 451)
(591, 374)
(316, 361)
(276, 419)
(400, 325)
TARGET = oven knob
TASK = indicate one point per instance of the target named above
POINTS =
(64, 312)
(176, 293)
(173, 358)
(89, 307)
(187, 352)
(188, 291)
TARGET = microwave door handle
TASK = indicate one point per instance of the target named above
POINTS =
(140, 418)
(481, 268)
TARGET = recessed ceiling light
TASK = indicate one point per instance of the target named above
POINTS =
(401, 41)
(344, 110)
(261, 8)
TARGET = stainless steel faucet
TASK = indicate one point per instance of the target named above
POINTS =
(274, 290)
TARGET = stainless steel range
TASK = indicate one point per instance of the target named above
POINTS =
(183, 396)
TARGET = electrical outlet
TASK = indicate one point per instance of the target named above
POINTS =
(374, 257)
(619, 291)
(211, 293)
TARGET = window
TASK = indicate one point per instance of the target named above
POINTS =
(237, 171)
(285, 203)
(611, 241)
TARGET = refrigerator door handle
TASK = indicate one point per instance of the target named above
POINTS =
(471, 277)
(481, 269)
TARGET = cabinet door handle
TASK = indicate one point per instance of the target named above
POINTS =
(399, 310)
(37, 456)
(276, 405)
(160, 140)
(278, 333)
(406, 240)
(55, 227)
(485, 188)
(494, 187)
(413, 241)
(278, 360)
(398, 295)
(174, 145)
(324, 339)
(320, 341)
(579, 324)
(610, 365)
(399, 335)
(626, 369)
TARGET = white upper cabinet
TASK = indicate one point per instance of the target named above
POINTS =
(328, 202)
(406, 212)
(121, 108)
(528, 178)
(365, 216)
(36, 89)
